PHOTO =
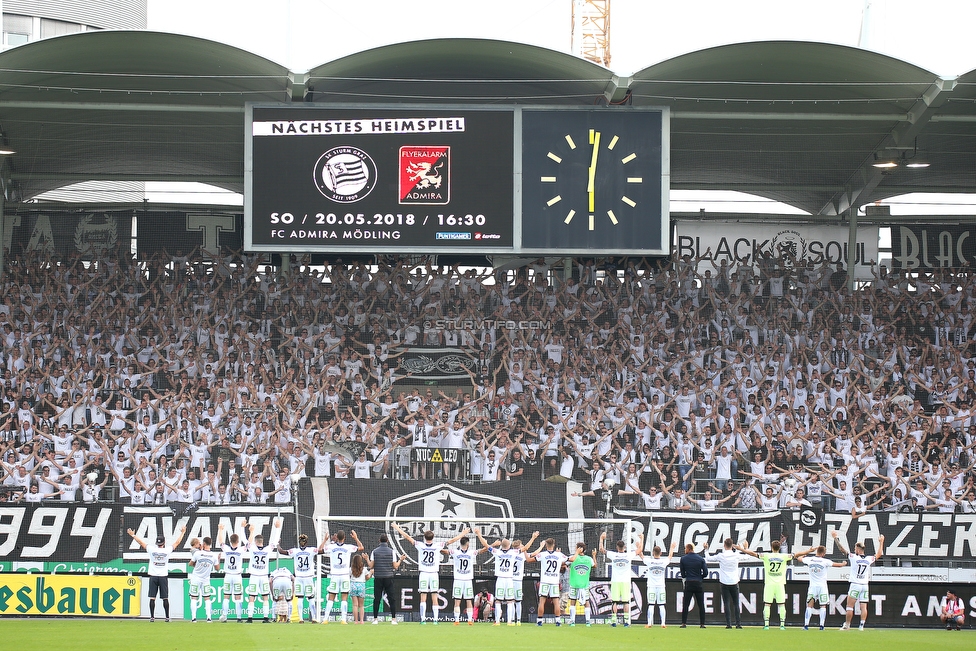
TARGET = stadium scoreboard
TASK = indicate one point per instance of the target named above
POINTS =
(456, 179)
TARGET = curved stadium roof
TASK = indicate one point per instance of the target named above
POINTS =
(793, 121)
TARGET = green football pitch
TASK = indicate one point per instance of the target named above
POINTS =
(69, 634)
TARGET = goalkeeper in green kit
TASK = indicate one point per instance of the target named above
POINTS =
(774, 592)
(579, 582)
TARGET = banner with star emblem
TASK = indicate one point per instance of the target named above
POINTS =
(421, 505)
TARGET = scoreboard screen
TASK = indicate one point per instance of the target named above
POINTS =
(326, 179)
(428, 179)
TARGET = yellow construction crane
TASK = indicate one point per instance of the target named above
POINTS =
(591, 30)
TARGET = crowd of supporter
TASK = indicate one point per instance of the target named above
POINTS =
(680, 383)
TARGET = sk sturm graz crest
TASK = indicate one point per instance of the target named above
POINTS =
(425, 174)
(345, 174)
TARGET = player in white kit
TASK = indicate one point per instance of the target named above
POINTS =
(504, 557)
(550, 563)
(340, 556)
(463, 558)
(282, 591)
(860, 577)
(428, 563)
(203, 563)
(259, 583)
(657, 594)
(818, 595)
(304, 557)
(518, 573)
(233, 554)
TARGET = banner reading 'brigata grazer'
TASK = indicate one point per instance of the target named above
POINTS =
(907, 535)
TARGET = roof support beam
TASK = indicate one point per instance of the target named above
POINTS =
(107, 106)
(867, 177)
(778, 188)
(297, 86)
(766, 219)
(18, 208)
(617, 89)
(813, 117)
(79, 177)
(754, 188)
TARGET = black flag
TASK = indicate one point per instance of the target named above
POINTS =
(811, 519)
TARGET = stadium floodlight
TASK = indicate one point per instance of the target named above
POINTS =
(884, 162)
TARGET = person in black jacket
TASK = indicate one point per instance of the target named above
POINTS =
(693, 571)
(384, 562)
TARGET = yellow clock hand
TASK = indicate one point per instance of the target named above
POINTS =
(595, 141)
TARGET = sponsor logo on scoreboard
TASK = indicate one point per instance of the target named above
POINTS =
(487, 236)
(345, 174)
(452, 236)
(425, 174)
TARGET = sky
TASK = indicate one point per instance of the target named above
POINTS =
(301, 34)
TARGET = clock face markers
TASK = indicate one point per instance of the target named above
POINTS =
(593, 181)
(593, 137)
